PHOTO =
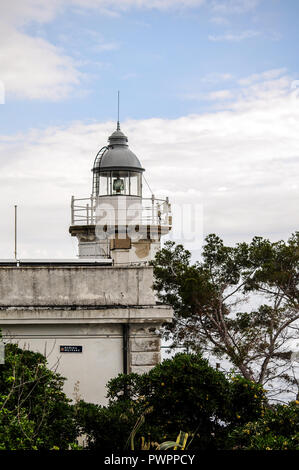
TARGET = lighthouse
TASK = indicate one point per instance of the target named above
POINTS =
(117, 223)
(96, 315)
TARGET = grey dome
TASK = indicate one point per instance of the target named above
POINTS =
(118, 154)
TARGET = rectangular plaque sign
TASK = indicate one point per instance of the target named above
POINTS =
(71, 349)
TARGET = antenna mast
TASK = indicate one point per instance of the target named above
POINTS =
(118, 126)
(16, 208)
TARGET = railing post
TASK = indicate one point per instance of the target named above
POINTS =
(91, 210)
(87, 213)
(72, 210)
(153, 208)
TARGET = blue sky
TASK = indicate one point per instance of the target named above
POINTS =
(209, 97)
(161, 60)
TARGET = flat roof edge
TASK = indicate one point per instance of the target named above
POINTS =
(6, 262)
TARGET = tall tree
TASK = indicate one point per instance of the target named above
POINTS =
(240, 302)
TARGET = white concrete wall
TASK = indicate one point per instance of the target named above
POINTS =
(88, 372)
(76, 285)
(118, 210)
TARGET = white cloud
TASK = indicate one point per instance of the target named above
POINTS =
(108, 46)
(234, 6)
(129, 76)
(213, 78)
(234, 37)
(220, 95)
(147, 4)
(263, 86)
(219, 20)
(241, 164)
(32, 67)
(19, 12)
(268, 75)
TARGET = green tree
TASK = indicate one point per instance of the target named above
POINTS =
(209, 299)
(276, 429)
(183, 393)
(34, 411)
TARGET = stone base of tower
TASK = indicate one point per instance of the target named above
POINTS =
(141, 251)
(92, 322)
(121, 248)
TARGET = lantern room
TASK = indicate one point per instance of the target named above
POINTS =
(116, 170)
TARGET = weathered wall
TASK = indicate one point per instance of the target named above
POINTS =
(47, 307)
(102, 352)
(76, 285)
(87, 372)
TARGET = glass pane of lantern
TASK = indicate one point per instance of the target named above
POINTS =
(126, 181)
(104, 180)
(135, 184)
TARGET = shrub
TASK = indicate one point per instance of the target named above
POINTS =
(34, 411)
(183, 393)
(277, 429)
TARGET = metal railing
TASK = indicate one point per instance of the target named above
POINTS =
(147, 211)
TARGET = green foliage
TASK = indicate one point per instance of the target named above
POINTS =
(247, 400)
(107, 428)
(140, 421)
(181, 393)
(277, 429)
(206, 295)
(180, 442)
(34, 411)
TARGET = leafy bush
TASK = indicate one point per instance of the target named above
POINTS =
(277, 429)
(247, 401)
(106, 428)
(34, 411)
(183, 393)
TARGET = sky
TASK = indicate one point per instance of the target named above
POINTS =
(209, 99)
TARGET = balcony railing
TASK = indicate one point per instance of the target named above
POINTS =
(145, 211)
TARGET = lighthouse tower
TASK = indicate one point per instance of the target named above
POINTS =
(117, 223)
